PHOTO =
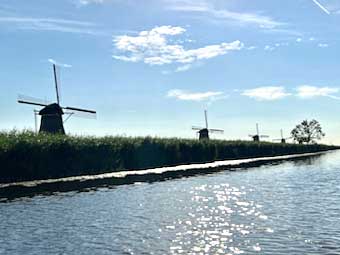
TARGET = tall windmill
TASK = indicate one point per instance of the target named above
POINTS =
(204, 132)
(257, 136)
(52, 113)
(282, 139)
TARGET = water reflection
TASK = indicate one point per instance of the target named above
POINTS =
(221, 220)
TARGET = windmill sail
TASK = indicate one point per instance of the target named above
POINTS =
(56, 82)
(79, 110)
(220, 131)
(206, 119)
(32, 100)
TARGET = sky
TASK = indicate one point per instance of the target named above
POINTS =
(151, 67)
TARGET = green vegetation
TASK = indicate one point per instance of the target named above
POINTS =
(28, 156)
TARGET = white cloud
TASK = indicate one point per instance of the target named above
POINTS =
(195, 96)
(183, 68)
(251, 48)
(266, 93)
(307, 91)
(86, 2)
(58, 64)
(299, 40)
(269, 48)
(323, 45)
(152, 47)
(207, 8)
(50, 24)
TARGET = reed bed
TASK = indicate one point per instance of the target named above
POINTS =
(29, 156)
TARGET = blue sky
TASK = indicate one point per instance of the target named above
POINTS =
(151, 67)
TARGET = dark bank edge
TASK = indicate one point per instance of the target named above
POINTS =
(30, 188)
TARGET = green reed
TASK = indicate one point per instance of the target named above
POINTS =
(29, 156)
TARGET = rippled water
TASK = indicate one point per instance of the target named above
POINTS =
(290, 208)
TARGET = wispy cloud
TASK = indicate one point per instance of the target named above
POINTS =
(152, 47)
(183, 68)
(251, 48)
(323, 45)
(86, 2)
(269, 93)
(269, 48)
(307, 91)
(50, 24)
(205, 7)
(195, 96)
(323, 8)
(52, 61)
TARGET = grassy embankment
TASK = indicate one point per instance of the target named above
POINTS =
(27, 156)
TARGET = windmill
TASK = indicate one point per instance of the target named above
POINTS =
(52, 113)
(257, 136)
(282, 139)
(204, 132)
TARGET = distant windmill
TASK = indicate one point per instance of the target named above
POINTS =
(204, 132)
(282, 139)
(257, 136)
(51, 113)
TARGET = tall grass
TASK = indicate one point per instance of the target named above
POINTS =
(28, 156)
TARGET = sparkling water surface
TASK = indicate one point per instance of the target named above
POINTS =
(286, 208)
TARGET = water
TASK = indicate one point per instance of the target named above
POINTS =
(289, 208)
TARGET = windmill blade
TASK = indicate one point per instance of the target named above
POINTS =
(264, 136)
(32, 101)
(251, 136)
(220, 131)
(80, 114)
(79, 110)
(197, 128)
(56, 74)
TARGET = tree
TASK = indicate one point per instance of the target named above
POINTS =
(307, 132)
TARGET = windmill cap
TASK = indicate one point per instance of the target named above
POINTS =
(51, 109)
(203, 130)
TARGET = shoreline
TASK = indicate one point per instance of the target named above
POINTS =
(132, 176)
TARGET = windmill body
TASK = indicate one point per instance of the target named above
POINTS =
(256, 138)
(204, 132)
(52, 113)
(52, 119)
